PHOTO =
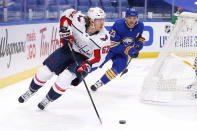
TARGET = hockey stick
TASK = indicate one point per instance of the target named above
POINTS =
(184, 61)
(75, 60)
(125, 69)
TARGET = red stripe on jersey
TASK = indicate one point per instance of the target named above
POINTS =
(74, 12)
(59, 88)
(63, 19)
(69, 37)
(96, 56)
(62, 41)
(42, 82)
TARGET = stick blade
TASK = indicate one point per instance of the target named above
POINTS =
(124, 72)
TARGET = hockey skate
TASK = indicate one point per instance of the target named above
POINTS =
(25, 96)
(43, 103)
(98, 84)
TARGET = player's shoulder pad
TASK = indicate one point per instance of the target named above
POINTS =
(140, 25)
(68, 13)
(119, 23)
(79, 21)
(78, 15)
(104, 36)
(119, 26)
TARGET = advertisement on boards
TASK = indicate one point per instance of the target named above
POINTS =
(23, 47)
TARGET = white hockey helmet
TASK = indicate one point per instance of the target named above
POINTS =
(96, 13)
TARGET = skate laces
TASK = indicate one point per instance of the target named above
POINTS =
(45, 101)
(27, 94)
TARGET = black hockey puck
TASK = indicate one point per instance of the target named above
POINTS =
(122, 121)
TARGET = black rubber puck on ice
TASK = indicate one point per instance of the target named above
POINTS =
(122, 121)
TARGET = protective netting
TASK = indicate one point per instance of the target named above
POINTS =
(171, 74)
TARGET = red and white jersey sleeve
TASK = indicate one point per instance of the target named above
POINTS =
(66, 20)
(103, 41)
(67, 17)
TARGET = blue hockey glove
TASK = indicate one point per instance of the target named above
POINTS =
(139, 43)
(135, 54)
(138, 46)
(131, 51)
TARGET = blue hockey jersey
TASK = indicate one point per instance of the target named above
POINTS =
(122, 36)
(124, 42)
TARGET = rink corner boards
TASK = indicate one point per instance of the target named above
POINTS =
(4, 82)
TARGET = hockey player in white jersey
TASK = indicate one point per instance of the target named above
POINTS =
(90, 42)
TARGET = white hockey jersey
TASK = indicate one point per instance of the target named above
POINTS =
(95, 47)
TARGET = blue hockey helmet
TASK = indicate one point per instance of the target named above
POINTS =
(131, 12)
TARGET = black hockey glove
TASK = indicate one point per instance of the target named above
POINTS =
(65, 37)
(64, 33)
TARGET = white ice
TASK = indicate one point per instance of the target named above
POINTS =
(119, 100)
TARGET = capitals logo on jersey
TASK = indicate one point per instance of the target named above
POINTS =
(79, 18)
(104, 39)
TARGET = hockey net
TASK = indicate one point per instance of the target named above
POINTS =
(168, 80)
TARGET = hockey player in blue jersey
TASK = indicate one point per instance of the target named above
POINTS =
(126, 40)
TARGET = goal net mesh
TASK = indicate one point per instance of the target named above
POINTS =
(168, 80)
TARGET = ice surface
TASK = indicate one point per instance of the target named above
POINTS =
(119, 100)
